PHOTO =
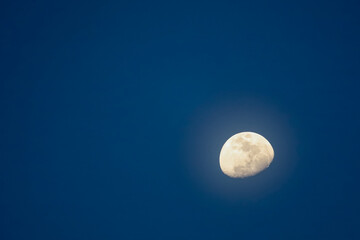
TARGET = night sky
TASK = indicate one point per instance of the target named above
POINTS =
(113, 115)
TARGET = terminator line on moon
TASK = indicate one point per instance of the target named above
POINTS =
(245, 154)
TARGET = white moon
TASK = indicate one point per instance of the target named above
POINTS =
(245, 154)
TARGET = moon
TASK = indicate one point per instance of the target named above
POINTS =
(245, 154)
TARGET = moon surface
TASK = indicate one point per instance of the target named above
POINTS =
(245, 154)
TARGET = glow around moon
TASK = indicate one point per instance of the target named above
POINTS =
(245, 154)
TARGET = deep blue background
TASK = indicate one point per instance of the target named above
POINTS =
(97, 98)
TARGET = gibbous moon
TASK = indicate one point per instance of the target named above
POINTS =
(245, 154)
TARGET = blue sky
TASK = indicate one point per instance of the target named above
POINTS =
(114, 113)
